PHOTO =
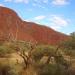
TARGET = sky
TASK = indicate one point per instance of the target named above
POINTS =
(57, 14)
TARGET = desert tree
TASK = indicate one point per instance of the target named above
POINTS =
(25, 49)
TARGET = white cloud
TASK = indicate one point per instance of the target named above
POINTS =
(60, 2)
(45, 1)
(8, 0)
(34, 4)
(41, 17)
(18, 1)
(38, 5)
(40, 1)
(1, 5)
(30, 9)
(58, 22)
(55, 27)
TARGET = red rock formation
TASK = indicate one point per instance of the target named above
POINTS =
(12, 26)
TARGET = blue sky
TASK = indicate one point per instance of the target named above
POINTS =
(57, 14)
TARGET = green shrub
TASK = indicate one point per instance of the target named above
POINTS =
(41, 51)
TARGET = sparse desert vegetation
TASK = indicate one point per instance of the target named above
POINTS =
(27, 58)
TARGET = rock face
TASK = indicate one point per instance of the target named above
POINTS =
(11, 26)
